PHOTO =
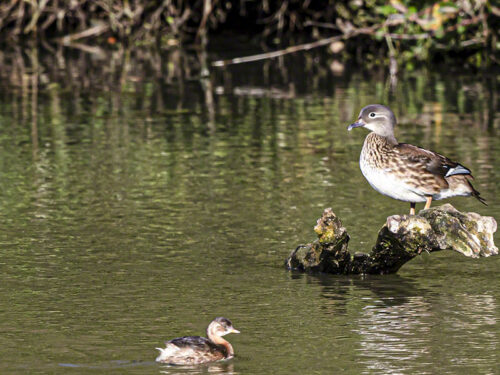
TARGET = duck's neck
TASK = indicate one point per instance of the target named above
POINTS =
(220, 341)
(382, 141)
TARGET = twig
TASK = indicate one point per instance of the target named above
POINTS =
(466, 22)
(93, 31)
(202, 29)
(36, 15)
(5, 12)
(393, 65)
(464, 44)
(271, 55)
(471, 42)
(88, 49)
(301, 47)
(408, 36)
(324, 25)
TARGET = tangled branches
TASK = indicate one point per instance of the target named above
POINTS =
(408, 29)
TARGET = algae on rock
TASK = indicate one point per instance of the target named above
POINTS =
(402, 238)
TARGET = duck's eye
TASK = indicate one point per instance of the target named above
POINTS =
(372, 115)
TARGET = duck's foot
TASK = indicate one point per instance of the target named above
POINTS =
(412, 208)
(428, 203)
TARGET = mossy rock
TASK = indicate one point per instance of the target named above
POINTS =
(402, 238)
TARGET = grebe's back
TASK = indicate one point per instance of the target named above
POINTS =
(191, 350)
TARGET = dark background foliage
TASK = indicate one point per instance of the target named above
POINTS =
(412, 31)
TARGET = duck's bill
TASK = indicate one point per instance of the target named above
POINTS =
(234, 331)
(355, 125)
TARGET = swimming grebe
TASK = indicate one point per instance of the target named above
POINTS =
(192, 350)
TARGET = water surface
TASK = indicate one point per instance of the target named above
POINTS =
(138, 203)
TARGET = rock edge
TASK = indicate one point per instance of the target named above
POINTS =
(402, 238)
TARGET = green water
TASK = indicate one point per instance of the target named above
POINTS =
(136, 206)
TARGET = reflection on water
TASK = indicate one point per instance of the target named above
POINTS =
(421, 335)
(402, 327)
(212, 368)
(390, 290)
(139, 202)
(391, 335)
(108, 365)
(223, 367)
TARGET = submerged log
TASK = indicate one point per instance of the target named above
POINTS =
(402, 238)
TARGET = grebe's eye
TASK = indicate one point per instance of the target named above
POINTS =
(372, 115)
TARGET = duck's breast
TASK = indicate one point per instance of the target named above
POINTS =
(386, 181)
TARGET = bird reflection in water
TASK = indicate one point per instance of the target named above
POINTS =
(223, 368)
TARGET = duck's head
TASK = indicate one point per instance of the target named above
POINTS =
(220, 326)
(378, 118)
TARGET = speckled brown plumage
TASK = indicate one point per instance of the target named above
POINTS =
(407, 172)
(192, 350)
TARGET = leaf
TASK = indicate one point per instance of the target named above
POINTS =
(439, 33)
(386, 10)
(379, 35)
(412, 10)
(448, 4)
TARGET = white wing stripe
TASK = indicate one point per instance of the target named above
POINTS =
(459, 169)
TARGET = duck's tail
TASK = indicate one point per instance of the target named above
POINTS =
(163, 355)
(476, 193)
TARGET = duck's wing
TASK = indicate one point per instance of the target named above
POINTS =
(189, 350)
(434, 170)
(430, 161)
(192, 342)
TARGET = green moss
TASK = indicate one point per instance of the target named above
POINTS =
(437, 229)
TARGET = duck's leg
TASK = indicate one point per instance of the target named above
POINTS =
(412, 208)
(428, 203)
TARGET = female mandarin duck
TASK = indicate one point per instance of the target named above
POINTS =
(403, 171)
(193, 350)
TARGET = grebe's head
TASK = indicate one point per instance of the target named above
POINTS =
(221, 326)
(378, 118)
